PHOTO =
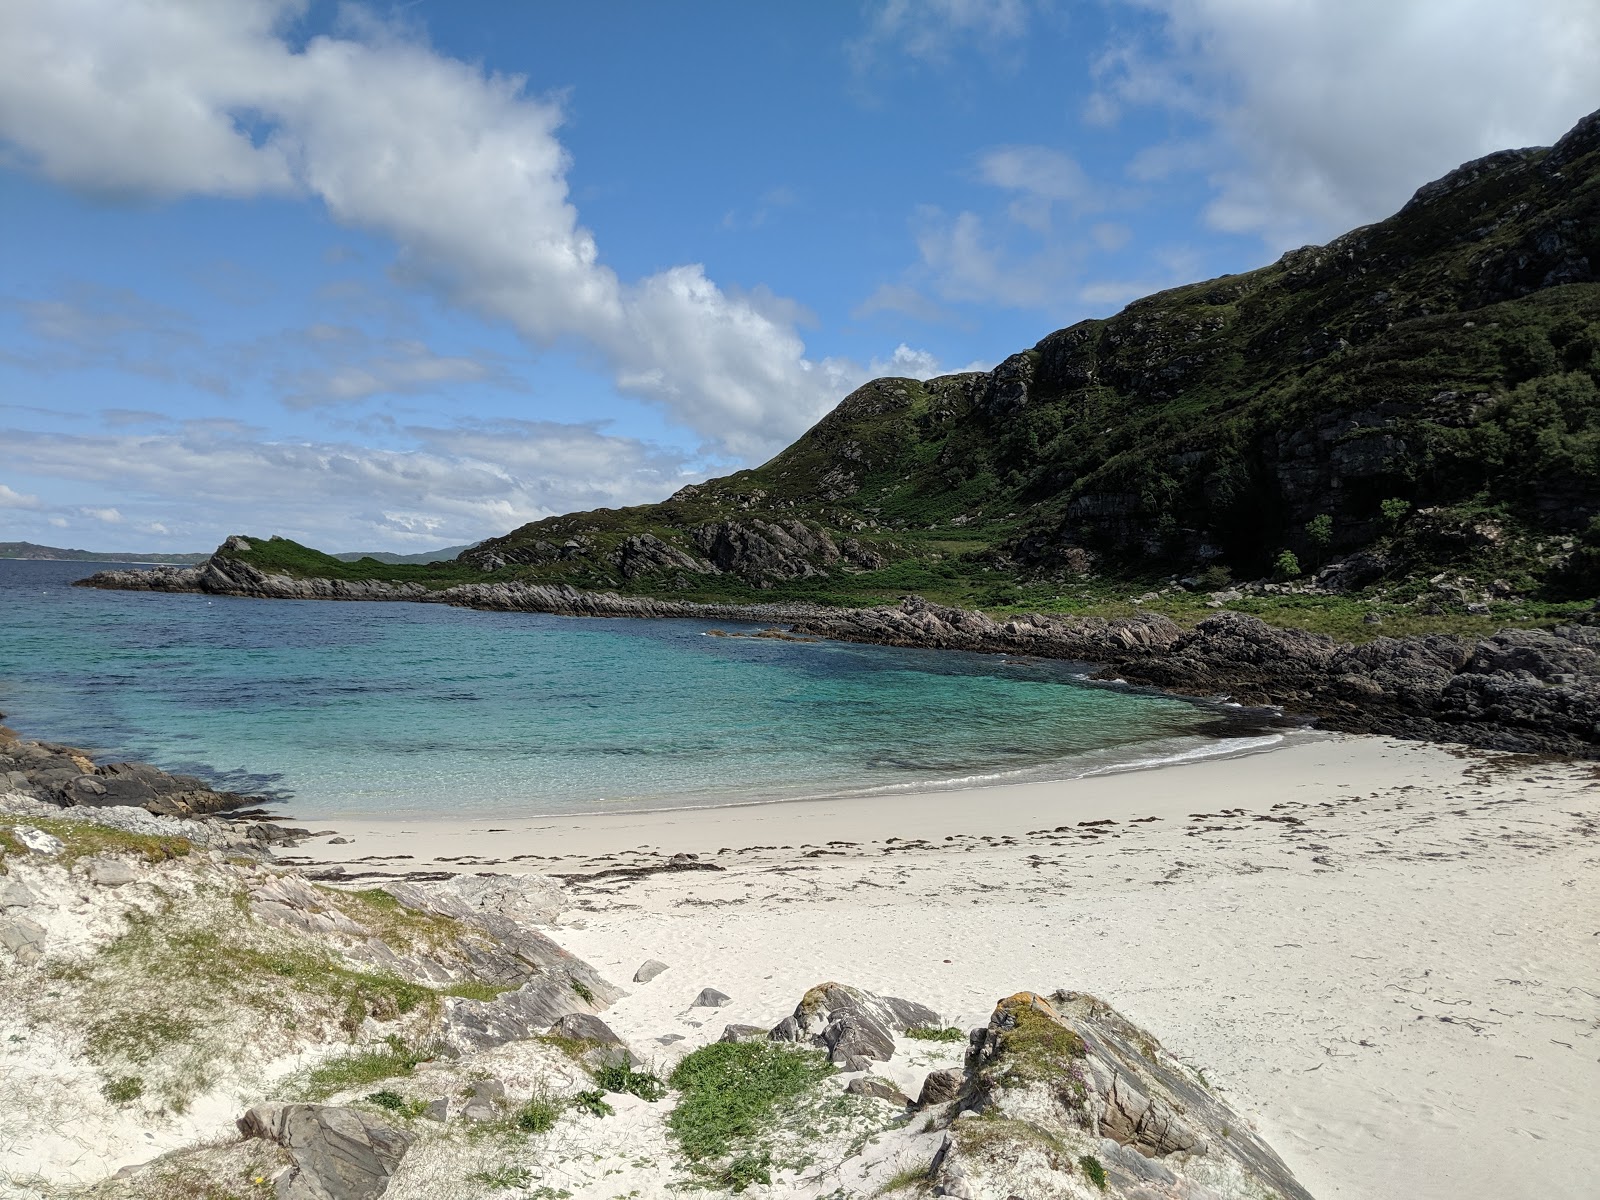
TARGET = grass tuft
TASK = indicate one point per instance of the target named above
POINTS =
(932, 1033)
(1093, 1171)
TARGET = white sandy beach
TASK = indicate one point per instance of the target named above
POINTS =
(1388, 952)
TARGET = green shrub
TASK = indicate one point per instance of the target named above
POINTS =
(730, 1089)
(1286, 566)
(593, 1102)
(746, 1169)
(538, 1115)
(619, 1076)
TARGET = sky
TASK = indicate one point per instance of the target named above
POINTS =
(395, 276)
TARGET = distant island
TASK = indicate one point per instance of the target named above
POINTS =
(35, 552)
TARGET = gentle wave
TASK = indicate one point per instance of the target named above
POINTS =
(1226, 748)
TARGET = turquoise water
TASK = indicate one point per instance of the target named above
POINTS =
(407, 709)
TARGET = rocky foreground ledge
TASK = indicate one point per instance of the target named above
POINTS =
(205, 1025)
(42, 777)
(1523, 690)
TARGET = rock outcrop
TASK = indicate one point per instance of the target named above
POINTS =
(68, 776)
(854, 1026)
(1063, 1097)
(337, 1153)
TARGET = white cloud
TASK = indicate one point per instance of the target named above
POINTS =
(10, 498)
(462, 169)
(930, 29)
(454, 485)
(1324, 114)
(969, 259)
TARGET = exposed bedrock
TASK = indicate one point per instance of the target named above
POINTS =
(1065, 1097)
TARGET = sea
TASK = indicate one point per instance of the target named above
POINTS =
(414, 710)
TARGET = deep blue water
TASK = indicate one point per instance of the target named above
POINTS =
(426, 710)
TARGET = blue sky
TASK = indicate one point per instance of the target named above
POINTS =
(395, 276)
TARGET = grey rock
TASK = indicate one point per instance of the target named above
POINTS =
(337, 1153)
(878, 1088)
(485, 1102)
(742, 1033)
(939, 1087)
(515, 1016)
(15, 894)
(112, 872)
(586, 1027)
(24, 938)
(1075, 1069)
(648, 970)
(853, 1025)
(437, 1110)
(854, 1035)
(711, 998)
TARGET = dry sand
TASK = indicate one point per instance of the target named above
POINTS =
(1388, 952)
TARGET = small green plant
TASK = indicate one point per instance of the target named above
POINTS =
(1286, 565)
(932, 1033)
(396, 1103)
(1319, 531)
(125, 1089)
(507, 1175)
(1394, 511)
(746, 1169)
(1215, 577)
(618, 1075)
(593, 1102)
(584, 993)
(1093, 1171)
(538, 1115)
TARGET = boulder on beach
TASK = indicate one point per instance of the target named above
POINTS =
(1072, 1100)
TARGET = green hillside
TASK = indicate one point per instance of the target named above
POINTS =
(1417, 397)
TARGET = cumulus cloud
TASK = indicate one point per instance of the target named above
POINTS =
(453, 484)
(10, 498)
(462, 169)
(1323, 114)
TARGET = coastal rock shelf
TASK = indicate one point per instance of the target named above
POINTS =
(1523, 690)
(68, 776)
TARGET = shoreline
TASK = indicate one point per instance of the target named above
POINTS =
(1004, 808)
(1530, 691)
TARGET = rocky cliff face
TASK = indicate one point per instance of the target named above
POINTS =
(1444, 360)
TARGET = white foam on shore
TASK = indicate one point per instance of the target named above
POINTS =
(1227, 748)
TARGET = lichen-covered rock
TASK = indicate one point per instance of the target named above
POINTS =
(851, 1024)
(1063, 1097)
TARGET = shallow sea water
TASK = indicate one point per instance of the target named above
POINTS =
(419, 710)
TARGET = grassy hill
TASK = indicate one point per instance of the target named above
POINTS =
(1417, 400)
